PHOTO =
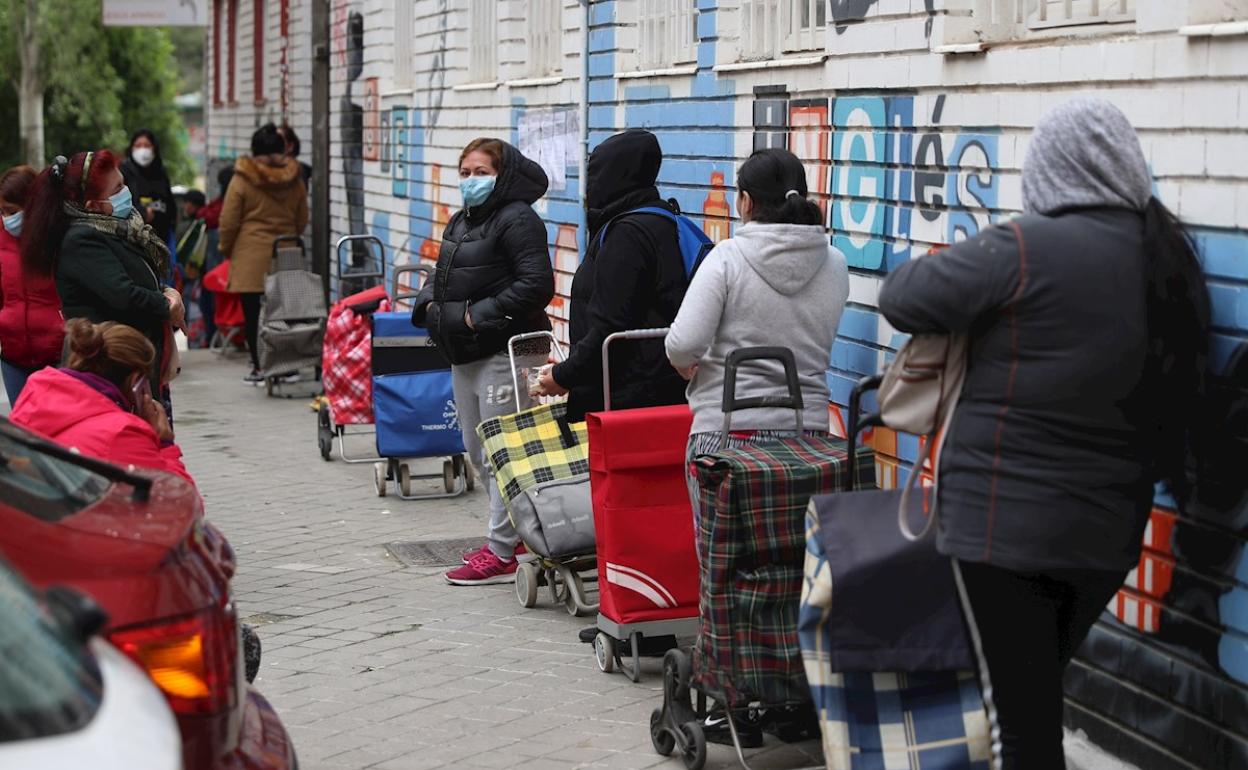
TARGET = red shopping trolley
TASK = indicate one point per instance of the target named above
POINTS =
(227, 309)
(647, 559)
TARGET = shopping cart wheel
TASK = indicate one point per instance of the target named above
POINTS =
(693, 753)
(604, 651)
(324, 431)
(463, 468)
(526, 585)
(448, 476)
(403, 475)
(379, 478)
(662, 740)
(575, 588)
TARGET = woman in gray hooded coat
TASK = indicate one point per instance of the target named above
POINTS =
(1088, 320)
(776, 281)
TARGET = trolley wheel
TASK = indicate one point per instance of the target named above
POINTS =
(470, 477)
(463, 469)
(574, 589)
(403, 476)
(268, 386)
(694, 751)
(380, 475)
(526, 585)
(324, 431)
(448, 476)
(604, 651)
(677, 675)
(662, 740)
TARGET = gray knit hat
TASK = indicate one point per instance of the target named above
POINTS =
(1084, 153)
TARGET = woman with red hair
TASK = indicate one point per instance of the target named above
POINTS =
(31, 327)
(108, 264)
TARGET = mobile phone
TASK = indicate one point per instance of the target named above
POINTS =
(141, 388)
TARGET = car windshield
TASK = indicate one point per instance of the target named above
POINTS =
(49, 683)
(44, 486)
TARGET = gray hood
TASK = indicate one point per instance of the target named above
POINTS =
(785, 256)
(1084, 153)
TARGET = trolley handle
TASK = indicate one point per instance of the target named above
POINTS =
(511, 356)
(397, 296)
(859, 422)
(630, 334)
(792, 401)
(366, 238)
(295, 239)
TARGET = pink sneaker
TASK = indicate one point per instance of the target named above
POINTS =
(522, 554)
(483, 569)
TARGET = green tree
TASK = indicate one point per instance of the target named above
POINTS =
(100, 84)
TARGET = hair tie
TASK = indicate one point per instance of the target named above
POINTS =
(59, 164)
(791, 193)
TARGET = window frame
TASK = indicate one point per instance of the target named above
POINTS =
(231, 61)
(782, 35)
(217, 8)
(259, 13)
(483, 41)
(661, 25)
(544, 27)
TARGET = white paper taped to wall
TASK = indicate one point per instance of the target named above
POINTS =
(549, 138)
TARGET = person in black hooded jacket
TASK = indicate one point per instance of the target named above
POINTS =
(493, 280)
(634, 278)
(145, 175)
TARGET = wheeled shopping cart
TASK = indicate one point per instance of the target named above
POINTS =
(346, 373)
(540, 463)
(413, 403)
(647, 555)
(292, 316)
(746, 661)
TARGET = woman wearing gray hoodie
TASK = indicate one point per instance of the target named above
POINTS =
(777, 281)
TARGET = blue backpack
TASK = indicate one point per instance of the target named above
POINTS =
(694, 244)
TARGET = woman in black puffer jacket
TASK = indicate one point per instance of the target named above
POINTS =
(493, 281)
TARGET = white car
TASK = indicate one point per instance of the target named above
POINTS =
(68, 699)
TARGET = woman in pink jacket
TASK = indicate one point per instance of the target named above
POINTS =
(31, 327)
(101, 402)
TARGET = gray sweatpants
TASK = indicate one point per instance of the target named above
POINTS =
(484, 389)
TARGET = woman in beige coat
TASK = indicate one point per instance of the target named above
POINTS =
(266, 200)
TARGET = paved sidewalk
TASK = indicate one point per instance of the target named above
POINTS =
(375, 665)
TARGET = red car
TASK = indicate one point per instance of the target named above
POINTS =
(137, 542)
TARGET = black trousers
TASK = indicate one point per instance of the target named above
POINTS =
(1028, 627)
(251, 323)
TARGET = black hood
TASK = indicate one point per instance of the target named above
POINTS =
(520, 179)
(622, 171)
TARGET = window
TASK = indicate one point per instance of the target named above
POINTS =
(986, 21)
(545, 37)
(231, 40)
(257, 51)
(1043, 14)
(217, 48)
(483, 41)
(667, 33)
(403, 31)
(770, 28)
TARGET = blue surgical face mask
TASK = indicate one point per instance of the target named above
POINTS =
(123, 204)
(13, 223)
(476, 189)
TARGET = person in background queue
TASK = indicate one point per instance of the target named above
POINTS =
(1089, 324)
(145, 175)
(633, 279)
(776, 282)
(31, 327)
(293, 148)
(493, 281)
(100, 403)
(266, 200)
(82, 227)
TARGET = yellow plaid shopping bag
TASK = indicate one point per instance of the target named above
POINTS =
(541, 464)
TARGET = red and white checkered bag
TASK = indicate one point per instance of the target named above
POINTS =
(346, 365)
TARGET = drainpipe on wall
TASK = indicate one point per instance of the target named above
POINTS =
(583, 106)
(320, 142)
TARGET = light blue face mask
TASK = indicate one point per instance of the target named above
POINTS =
(123, 204)
(476, 189)
(13, 223)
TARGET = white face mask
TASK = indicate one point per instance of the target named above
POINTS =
(143, 156)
